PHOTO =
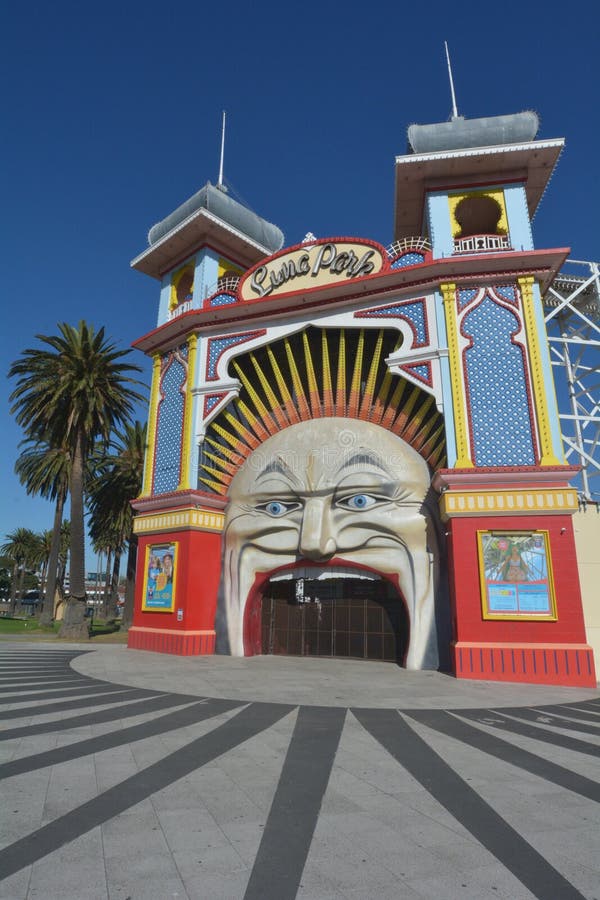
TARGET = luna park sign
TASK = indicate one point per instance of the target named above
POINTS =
(317, 265)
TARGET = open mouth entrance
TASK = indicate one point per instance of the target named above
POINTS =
(334, 612)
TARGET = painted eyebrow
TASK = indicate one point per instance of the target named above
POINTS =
(278, 466)
(363, 457)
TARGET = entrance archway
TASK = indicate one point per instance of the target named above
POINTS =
(350, 615)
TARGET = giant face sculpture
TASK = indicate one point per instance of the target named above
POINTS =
(331, 492)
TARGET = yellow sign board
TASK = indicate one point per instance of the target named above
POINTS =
(312, 265)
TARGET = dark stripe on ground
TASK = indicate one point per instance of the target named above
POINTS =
(7, 680)
(247, 724)
(446, 723)
(26, 712)
(589, 715)
(127, 710)
(497, 720)
(196, 712)
(532, 715)
(26, 696)
(465, 804)
(296, 805)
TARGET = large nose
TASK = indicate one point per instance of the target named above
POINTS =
(317, 540)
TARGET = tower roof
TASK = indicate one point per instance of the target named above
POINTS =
(466, 152)
(209, 216)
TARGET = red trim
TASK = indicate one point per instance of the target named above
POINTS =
(458, 269)
(517, 313)
(286, 251)
(245, 337)
(372, 314)
(168, 359)
(565, 664)
(408, 367)
(179, 643)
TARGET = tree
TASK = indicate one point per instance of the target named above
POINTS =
(21, 547)
(118, 482)
(45, 470)
(71, 391)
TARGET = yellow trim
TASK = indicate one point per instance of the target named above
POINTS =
(151, 549)
(537, 373)
(518, 502)
(459, 404)
(550, 616)
(184, 472)
(498, 196)
(192, 518)
(152, 416)
(225, 266)
(176, 278)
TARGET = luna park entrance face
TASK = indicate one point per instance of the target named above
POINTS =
(349, 616)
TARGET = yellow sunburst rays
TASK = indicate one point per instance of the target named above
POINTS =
(340, 389)
(389, 413)
(355, 384)
(286, 397)
(328, 401)
(300, 396)
(366, 404)
(404, 413)
(277, 409)
(263, 425)
(313, 389)
(434, 450)
(272, 400)
(380, 403)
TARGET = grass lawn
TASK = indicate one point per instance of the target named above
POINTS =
(102, 631)
(29, 625)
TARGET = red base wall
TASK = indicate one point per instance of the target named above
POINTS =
(542, 652)
(195, 589)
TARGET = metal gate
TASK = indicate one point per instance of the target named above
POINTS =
(341, 617)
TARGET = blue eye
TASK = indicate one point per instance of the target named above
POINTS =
(277, 508)
(274, 508)
(358, 501)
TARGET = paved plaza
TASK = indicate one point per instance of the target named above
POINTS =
(139, 776)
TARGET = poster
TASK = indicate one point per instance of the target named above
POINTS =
(516, 575)
(159, 580)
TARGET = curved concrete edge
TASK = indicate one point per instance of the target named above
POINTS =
(309, 681)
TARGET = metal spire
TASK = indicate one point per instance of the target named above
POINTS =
(220, 184)
(454, 109)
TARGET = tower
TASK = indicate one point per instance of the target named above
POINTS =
(505, 495)
(197, 252)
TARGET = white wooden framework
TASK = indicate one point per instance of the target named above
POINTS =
(572, 313)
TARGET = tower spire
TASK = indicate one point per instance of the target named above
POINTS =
(220, 184)
(454, 107)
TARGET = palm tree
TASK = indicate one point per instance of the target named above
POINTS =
(119, 481)
(73, 390)
(45, 470)
(21, 547)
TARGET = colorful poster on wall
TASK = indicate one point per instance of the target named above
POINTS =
(516, 575)
(159, 580)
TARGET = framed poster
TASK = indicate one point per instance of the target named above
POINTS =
(159, 578)
(516, 575)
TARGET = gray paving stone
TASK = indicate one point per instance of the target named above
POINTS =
(381, 833)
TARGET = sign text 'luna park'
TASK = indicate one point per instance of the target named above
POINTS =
(312, 266)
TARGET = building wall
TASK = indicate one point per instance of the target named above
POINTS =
(586, 524)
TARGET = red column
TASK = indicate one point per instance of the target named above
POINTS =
(542, 651)
(189, 628)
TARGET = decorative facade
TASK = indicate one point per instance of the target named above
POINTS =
(354, 451)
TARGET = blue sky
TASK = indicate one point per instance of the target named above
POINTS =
(112, 118)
